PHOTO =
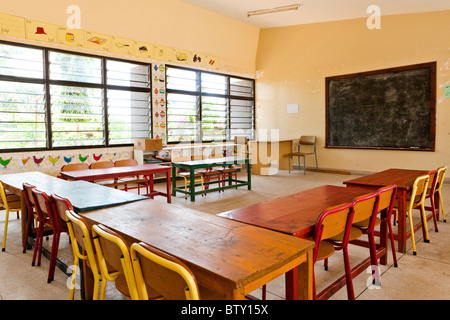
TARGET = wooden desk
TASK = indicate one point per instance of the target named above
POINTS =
(149, 170)
(209, 163)
(229, 259)
(83, 195)
(404, 180)
(297, 214)
(263, 153)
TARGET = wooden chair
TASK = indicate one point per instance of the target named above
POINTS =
(416, 200)
(304, 141)
(431, 189)
(165, 273)
(74, 167)
(209, 174)
(186, 174)
(10, 203)
(112, 250)
(45, 217)
(132, 180)
(440, 181)
(105, 182)
(82, 247)
(32, 217)
(45, 209)
(334, 221)
(227, 172)
(386, 201)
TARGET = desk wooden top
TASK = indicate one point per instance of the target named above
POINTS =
(223, 254)
(212, 162)
(115, 172)
(403, 178)
(295, 214)
(84, 196)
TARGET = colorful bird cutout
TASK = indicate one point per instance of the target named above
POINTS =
(4, 163)
(25, 160)
(83, 159)
(53, 160)
(96, 158)
(68, 159)
(38, 161)
(111, 157)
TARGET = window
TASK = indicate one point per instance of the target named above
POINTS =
(81, 101)
(205, 106)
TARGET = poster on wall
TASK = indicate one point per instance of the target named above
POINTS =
(122, 46)
(12, 26)
(197, 60)
(159, 102)
(41, 31)
(98, 41)
(181, 56)
(143, 49)
(70, 37)
(162, 53)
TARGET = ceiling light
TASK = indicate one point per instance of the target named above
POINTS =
(273, 10)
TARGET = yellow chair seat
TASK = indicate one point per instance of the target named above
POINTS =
(365, 223)
(326, 249)
(355, 233)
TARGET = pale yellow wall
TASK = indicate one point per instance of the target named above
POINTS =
(292, 63)
(171, 23)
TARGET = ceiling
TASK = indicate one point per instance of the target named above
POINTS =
(312, 11)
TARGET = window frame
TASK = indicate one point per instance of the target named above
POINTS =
(47, 82)
(199, 94)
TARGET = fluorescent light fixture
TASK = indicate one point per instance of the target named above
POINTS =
(273, 10)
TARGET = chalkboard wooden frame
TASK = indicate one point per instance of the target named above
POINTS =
(430, 103)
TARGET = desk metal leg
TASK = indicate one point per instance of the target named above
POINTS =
(192, 184)
(249, 176)
(174, 181)
(168, 191)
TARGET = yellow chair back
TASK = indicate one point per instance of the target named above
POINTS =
(163, 272)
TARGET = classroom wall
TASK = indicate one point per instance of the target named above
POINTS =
(293, 62)
(171, 23)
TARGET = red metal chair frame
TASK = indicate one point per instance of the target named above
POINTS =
(431, 196)
(30, 212)
(318, 230)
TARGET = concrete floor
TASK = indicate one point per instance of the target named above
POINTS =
(421, 277)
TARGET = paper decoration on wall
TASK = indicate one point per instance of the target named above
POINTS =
(40, 31)
(98, 41)
(38, 161)
(68, 159)
(5, 162)
(162, 53)
(82, 159)
(197, 59)
(212, 62)
(143, 49)
(122, 46)
(53, 161)
(111, 156)
(12, 26)
(24, 161)
(70, 37)
(96, 158)
(182, 57)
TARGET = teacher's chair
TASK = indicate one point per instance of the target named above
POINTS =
(304, 142)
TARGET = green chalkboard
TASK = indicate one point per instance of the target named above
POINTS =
(392, 108)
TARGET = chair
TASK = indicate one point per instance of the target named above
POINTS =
(112, 250)
(386, 202)
(46, 211)
(83, 249)
(334, 221)
(186, 174)
(75, 166)
(431, 189)
(440, 181)
(137, 179)
(227, 172)
(209, 174)
(416, 200)
(105, 182)
(10, 203)
(304, 141)
(165, 273)
(31, 214)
